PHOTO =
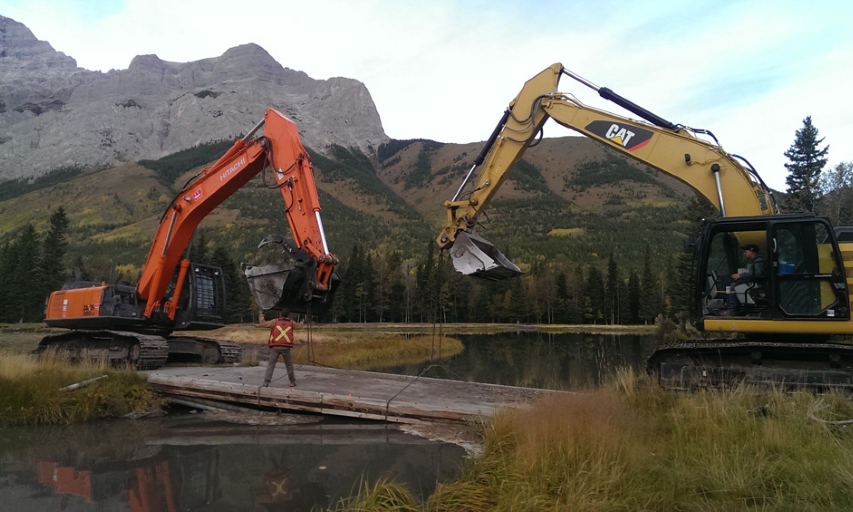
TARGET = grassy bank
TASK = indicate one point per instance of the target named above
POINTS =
(31, 392)
(635, 446)
(377, 351)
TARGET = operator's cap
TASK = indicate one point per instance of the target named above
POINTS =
(750, 247)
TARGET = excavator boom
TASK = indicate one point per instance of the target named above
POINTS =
(670, 148)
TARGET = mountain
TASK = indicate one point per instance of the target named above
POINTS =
(54, 114)
(114, 148)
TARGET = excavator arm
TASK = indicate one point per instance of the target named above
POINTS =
(676, 150)
(279, 147)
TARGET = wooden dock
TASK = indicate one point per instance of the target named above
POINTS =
(349, 393)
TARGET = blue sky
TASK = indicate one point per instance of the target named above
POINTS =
(749, 71)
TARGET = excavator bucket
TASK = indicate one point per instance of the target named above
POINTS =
(282, 286)
(475, 256)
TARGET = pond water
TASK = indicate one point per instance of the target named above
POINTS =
(188, 463)
(191, 462)
(564, 361)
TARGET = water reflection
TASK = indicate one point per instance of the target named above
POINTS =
(541, 360)
(189, 464)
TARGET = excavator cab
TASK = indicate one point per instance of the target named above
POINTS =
(795, 274)
(202, 303)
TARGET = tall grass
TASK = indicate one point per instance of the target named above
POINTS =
(634, 446)
(31, 391)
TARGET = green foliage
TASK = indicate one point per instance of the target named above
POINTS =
(20, 294)
(238, 301)
(52, 268)
(355, 166)
(15, 188)
(420, 173)
(394, 146)
(395, 274)
(610, 171)
(836, 188)
(806, 161)
(528, 178)
(170, 167)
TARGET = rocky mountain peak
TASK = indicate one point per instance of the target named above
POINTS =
(54, 114)
(19, 46)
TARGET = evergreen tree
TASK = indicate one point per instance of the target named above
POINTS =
(806, 163)
(426, 284)
(368, 282)
(650, 304)
(561, 302)
(198, 251)
(350, 291)
(594, 296)
(634, 297)
(7, 263)
(237, 295)
(52, 269)
(519, 304)
(611, 305)
(680, 288)
(836, 187)
(79, 270)
(22, 298)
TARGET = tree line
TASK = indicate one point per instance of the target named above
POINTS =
(380, 284)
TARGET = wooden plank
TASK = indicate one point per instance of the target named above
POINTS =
(348, 393)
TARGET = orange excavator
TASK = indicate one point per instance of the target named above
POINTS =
(134, 325)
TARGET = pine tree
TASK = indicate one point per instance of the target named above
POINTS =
(594, 296)
(52, 268)
(237, 295)
(519, 305)
(806, 163)
(836, 187)
(22, 299)
(611, 305)
(650, 304)
(634, 297)
(198, 251)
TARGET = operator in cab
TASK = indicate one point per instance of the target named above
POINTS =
(756, 269)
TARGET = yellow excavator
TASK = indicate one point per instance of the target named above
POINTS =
(783, 318)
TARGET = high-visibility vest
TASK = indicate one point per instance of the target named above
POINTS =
(281, 334)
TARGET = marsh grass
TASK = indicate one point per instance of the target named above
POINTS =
(385, 494)
(376, 351)
(30, 391)
(634, 446)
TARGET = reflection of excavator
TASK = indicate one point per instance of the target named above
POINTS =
(163, 483)
(786, 315)
(124, 323)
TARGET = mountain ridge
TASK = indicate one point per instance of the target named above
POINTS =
(54, 114)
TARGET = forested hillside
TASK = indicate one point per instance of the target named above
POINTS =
(589, 228)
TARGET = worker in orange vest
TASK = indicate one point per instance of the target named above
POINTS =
(280, 342)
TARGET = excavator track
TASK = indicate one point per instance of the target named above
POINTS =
(205, 350)
(141, 351)
(698, 364)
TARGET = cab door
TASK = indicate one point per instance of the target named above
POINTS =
(808, 277)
